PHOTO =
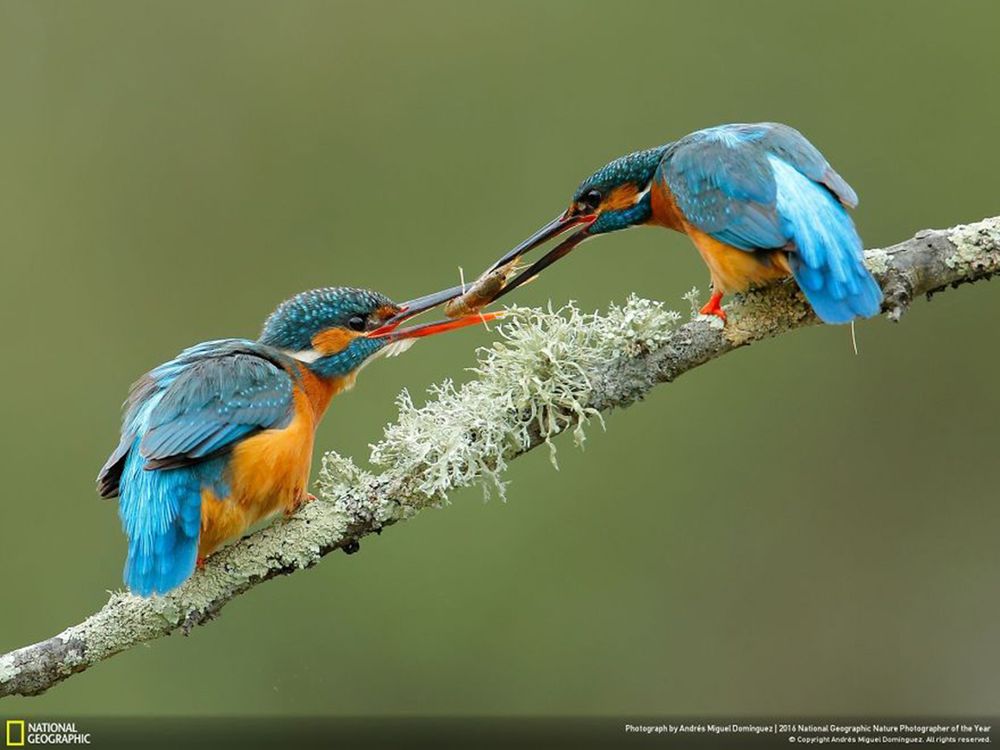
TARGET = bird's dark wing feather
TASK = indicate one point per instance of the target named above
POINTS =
(139, 395)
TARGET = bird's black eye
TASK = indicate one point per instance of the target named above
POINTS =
(591, 199)
(356, 323)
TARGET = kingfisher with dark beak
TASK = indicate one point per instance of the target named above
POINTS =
(221, 436)
(758, 201)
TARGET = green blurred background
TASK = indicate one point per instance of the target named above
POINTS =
(792, 529)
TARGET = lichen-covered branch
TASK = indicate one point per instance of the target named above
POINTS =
(549, 372)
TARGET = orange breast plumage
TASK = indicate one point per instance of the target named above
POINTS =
(735, 270)
(268, 472)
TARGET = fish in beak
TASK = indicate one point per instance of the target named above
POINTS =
(391, 330)
(486, 290)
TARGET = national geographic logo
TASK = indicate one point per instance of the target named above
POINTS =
(21, 733)
(15, 733)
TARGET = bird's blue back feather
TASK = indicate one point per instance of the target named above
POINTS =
(829, 261)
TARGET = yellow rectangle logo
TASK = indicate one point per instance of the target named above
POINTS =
(15, 733)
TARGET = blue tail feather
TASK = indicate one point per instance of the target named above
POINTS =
(828, 263)
(161, 516)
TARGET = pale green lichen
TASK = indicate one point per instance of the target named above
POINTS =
(8, 670)
(969, 241)
(877, 260)
(760, 313)
(693, 298)
(338, 473)
(353, 491)
(640, 326)
(532, 384)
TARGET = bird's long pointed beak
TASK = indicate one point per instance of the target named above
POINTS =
(416, 306)
(430, 329)
(554, 228)
(546, 260)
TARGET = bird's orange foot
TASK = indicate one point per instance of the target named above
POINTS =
(714, 306)
(301, 500)
(199, 563)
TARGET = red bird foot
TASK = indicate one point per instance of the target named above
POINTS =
(199, 563)
(714, 307)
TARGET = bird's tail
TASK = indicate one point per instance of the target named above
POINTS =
(828, 263)
(160, 512)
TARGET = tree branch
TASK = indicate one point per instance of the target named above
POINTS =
(553, 371)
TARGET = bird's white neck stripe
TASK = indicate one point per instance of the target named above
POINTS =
(308, 356)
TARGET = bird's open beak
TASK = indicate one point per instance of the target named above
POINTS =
(394, 333)
(414, 307)
(554, 228)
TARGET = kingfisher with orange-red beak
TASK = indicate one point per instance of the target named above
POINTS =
(758, 201)
(222, 436)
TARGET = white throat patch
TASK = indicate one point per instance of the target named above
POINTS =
(306, 355)
(393, 349)
(396, 347)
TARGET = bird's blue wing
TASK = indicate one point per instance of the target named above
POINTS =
(212, 403)
(199, 403)
(789, 145)
(723, 184)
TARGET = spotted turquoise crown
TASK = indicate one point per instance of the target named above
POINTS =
(294, 323)
(637, 168)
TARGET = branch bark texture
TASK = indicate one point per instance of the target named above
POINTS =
(931, 261)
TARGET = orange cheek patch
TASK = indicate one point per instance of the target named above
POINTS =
(622, 196)
(333, 340)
